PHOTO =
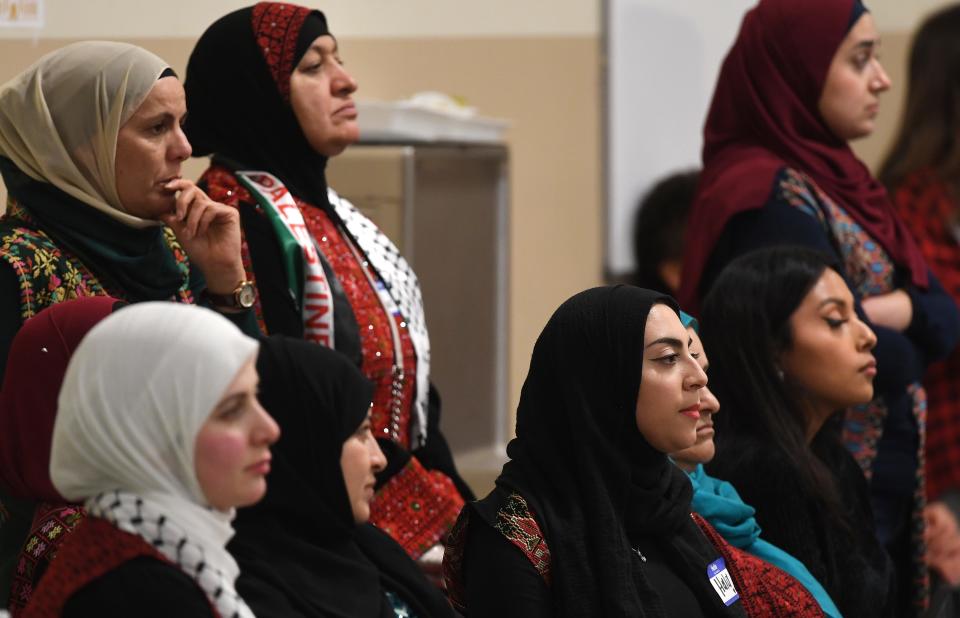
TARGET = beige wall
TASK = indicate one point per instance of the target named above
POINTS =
(84, 19)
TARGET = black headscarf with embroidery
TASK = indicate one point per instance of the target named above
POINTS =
(238, 94)
(592, 479)
(299, 550)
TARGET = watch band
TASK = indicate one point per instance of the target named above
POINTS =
(243, 297)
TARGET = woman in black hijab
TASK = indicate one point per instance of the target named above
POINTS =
(271, 101)
(590, 518)
(305, 548)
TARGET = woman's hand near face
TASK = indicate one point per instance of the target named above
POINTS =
(893, 310)
(210, 234)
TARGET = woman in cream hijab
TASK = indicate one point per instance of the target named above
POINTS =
(160, 451)
(90, 152)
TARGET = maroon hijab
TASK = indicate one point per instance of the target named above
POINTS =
(28, 402)
(764, 115)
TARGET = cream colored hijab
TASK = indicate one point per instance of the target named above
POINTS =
(59, 119)
(136, 392)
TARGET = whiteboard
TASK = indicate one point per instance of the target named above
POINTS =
(662, 61)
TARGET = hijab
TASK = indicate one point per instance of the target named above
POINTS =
(765, 115)
(592, 479)
(319, 560)
(59, 122)
(28, 402)
(137, 391)
(238, 93)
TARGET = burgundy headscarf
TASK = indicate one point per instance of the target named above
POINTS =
(764, 115)
(38, 357)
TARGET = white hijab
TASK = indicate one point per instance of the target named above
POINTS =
(60, 118)
(136, 392)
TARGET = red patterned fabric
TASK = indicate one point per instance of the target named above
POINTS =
(94, 549)
(930, 210)
(52, 525)
(376, 335)
(417, 508)
(515, 521)
(376, 338)
(765, 590)
(276, 27)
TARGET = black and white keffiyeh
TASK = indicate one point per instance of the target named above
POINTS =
(189, 551)
(404, 289)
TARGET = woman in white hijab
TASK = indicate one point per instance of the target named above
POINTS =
(160, 435)
(90, 152)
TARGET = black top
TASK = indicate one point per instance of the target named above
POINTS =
(144, 587)
(504, 583)
(299, 548)
(848, 560)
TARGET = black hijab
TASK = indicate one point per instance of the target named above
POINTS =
(299, 547)
(592, 479)
(238, 94)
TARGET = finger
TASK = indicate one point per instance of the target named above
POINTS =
(197, 210)
(210, 214)
(187, 199)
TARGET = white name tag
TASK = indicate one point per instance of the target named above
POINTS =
(722, 582)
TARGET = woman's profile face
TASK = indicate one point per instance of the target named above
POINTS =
(669, 399)
(232, 449)
(151, 147)
(321, 97)
(850, 99)
(829, 360)
(360, 460)
(704, 449)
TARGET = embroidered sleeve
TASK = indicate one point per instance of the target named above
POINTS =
(417, 508)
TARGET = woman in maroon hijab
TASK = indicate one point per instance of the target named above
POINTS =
(28, 407)
(801, 81)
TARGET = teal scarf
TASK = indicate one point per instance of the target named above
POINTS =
(135, 263)
(719, 503)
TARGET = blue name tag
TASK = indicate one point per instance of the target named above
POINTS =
(722, 582)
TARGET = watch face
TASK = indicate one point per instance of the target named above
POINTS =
(246, 295)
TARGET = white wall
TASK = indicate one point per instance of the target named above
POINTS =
(663, 58)
(349, 18)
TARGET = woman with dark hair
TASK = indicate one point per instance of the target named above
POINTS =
(658, 230)
(271, 101)
(801, 81)
(789, 353)
(922, 173)
(306, 549)
(589, 517)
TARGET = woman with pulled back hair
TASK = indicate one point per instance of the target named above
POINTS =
(789, 354)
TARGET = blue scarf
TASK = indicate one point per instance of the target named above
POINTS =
(719, 503)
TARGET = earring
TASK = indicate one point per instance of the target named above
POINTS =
(779, 372)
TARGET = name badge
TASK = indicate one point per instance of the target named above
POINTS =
(722, 582)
